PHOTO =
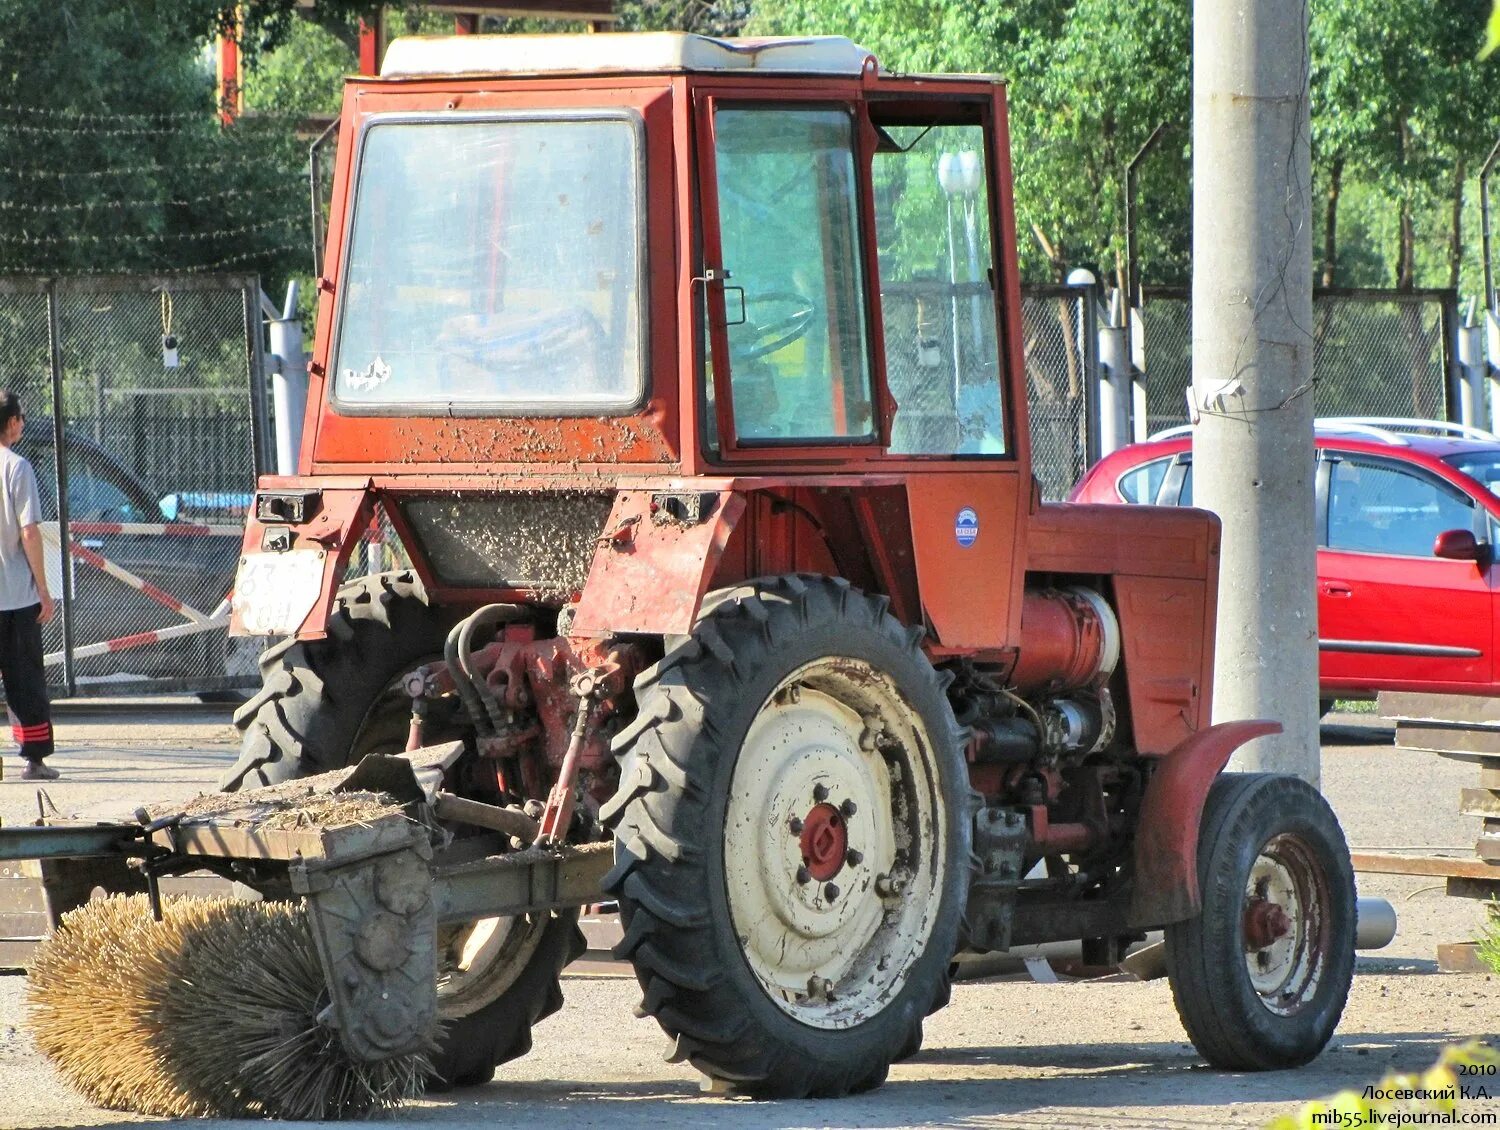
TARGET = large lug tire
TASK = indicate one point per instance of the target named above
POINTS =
(1260, 977)
(323, 705)
(793, 832)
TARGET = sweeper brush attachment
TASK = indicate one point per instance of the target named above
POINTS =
(218, 1009)
(326, 996)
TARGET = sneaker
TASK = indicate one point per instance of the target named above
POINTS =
(39, 771)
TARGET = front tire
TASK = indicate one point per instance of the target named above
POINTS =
(323, 705)
(1260, 977)
(793, 833)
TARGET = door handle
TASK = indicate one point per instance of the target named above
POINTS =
(1335, 588)
(90, 543)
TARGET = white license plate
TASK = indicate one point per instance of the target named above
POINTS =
(274, 592)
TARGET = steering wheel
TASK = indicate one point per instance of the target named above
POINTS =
(751, 340)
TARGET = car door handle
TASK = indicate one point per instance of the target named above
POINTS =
(91, 543)
(1334, 588)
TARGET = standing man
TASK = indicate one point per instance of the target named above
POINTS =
(25, 603)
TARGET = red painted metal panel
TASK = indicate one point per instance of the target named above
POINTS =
(336, 527)
(1166, 630)
(650, 572)
(1146, 541)
(1166, 843)
(970, 592)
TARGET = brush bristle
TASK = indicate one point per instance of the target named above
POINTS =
(212, 1011)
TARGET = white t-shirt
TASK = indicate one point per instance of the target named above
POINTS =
(20, 506)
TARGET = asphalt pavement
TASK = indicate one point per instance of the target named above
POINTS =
(1005, 1053)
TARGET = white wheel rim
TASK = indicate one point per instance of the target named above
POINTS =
(1285, 956)
(479, 960)
(833, 949)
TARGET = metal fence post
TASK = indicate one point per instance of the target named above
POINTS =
(1492, 366)
(60, 457)
(288, 366)
(259, 401)
(1114, 377)
(1140, 414)
(1088, 350)
(1471, 371)
(1453, 372)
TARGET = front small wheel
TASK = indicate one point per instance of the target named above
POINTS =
(1261, 975)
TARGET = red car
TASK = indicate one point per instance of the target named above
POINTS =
(1407, 520)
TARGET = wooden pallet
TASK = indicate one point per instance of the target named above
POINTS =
(1462, 728)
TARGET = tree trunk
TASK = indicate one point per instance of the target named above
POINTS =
(1331, 222)
(1456, 232)
(1406, 254)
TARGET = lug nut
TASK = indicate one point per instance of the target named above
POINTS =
(853, 858)
(794, 825)
(804, 876)
(831, 892)
(889, 886)
(820, 793)
(848, 808)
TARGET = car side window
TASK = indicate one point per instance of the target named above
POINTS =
(93, 495)
(1142, 483)
(1375, 507)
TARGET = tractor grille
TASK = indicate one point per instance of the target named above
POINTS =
(538, 540)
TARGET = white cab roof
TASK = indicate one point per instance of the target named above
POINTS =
(618, 53)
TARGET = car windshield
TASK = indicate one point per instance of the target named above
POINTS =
(1481, 466)
(493, 262)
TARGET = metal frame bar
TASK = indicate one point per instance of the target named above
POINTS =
(60, 462)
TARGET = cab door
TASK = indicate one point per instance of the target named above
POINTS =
(1390, 614)
(854, 328)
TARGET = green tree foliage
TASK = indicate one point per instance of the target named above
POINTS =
(304, 75)
(1400, 105)
(1089, 81)
(115, 159)
(1491, 32)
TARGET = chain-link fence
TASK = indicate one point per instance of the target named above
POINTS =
(1375, 353)
(1061, 347)
(145, 417)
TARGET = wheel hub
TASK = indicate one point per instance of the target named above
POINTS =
(824, 841)
(1283, 926)
(1265, 923)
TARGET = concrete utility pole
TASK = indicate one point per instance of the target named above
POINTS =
(1252, 364)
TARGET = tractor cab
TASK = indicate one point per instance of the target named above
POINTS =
(555, 263)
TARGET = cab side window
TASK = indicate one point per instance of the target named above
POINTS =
(1375, 507)
(794, 296)
(932, 223)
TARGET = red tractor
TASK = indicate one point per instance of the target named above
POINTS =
(689, 373)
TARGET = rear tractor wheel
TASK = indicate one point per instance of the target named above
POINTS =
(325, 704)
(792, 840)
(1260, 977)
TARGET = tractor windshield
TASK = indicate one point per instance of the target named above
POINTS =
(493, 266)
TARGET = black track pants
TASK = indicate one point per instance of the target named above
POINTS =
(25, 678)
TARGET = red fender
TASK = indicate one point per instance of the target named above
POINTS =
(1166, 840)
(650, 570)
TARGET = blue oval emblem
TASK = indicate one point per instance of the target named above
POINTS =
(966, 528)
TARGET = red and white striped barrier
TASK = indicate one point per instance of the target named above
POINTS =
(142, 639)
(155, 529)
(196, 621)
